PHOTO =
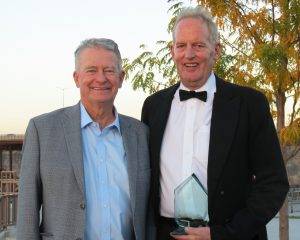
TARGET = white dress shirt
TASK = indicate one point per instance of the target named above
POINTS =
(185, 144)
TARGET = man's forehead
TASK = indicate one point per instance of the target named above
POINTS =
(91, 55)
(191, 28)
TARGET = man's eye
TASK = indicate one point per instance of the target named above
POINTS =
(180, 46)
(199, 46)
(109, 71)
(91, 71)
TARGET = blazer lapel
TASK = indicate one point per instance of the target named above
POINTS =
(130, 146)
(72, 132)
(223, 125)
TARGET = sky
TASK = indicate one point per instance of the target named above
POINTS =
(38, 39)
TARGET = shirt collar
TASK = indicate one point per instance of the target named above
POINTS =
(86, 118)
(209, 86)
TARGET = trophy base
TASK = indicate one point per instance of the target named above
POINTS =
(178, 231)
(187, 222)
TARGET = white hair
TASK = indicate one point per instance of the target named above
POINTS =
(104, 43)
(202, 14)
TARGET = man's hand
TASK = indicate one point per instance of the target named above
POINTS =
(199, 233)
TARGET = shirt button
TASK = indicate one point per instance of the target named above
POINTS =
(105, 206)
(82, 205)
(222, 192)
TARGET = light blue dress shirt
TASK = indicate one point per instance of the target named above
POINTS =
(108, 208)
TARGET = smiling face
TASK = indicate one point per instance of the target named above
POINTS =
(193, 52)
(98, 76)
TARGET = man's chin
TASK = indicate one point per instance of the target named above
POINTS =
(192, 84)
(100, 101)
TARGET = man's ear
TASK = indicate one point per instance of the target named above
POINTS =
(121, 76)
(75, 77)
(218, 50)
(172, 50)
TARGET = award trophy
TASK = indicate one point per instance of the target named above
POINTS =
(190, 205)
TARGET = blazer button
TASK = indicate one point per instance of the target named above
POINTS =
(82, 206)
(78, 239)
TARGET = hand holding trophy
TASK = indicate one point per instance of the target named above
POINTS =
(190, 205)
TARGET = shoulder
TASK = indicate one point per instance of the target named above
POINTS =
(161, 94)
(253, 106)
(53, 117)
(48, 116)
(248, 95)
(133, 122)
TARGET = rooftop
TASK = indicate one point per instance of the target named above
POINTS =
(11, 137)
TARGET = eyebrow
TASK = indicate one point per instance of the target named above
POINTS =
(109, 67)
(90, 67)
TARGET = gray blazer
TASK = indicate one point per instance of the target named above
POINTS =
(52, 177)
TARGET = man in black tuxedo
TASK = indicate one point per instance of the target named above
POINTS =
(219, 131)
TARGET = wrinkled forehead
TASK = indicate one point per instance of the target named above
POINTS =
(192, 30)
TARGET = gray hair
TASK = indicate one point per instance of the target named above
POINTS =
(104, 43)
(202, 14)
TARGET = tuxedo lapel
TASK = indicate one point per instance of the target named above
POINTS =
(130, 146)
(161, 118)
(72, 132)
(223, 125)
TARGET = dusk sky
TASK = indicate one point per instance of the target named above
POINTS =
(38, 39)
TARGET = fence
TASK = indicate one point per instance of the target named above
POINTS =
(8, 210)
(8, 199)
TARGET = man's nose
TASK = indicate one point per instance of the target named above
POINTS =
(189, 52)
(101, 76)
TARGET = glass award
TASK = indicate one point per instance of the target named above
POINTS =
(190, 205)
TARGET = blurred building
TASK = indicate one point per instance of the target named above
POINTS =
(10, 161)
(10, 152)
(293, 166)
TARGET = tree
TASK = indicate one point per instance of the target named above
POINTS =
(261, 40)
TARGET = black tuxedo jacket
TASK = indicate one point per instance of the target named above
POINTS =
(246, 177)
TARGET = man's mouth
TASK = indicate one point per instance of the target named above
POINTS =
(190, 65)
(100, 88)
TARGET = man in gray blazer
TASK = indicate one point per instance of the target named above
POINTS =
(85, 170)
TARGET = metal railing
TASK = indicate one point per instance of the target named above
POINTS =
(8, 210)
(8, 199)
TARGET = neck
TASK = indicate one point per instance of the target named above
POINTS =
(100, 113)
(198, 84)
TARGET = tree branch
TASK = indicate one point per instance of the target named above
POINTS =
(247, 24)
(238, 50)
(273, 22)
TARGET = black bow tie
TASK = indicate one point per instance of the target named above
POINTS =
(185, 95)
